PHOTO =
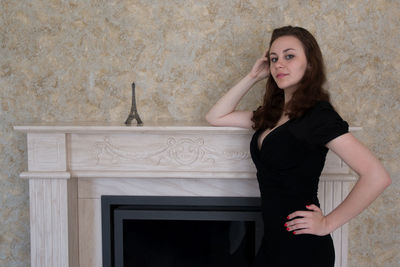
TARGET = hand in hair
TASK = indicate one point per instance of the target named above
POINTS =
(260, 69)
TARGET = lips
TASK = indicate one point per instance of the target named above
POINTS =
(281, 75)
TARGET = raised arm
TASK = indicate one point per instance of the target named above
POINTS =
(224, 112)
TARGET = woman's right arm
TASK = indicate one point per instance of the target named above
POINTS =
(223, 113)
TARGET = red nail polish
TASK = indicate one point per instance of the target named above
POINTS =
(287, 217)
(285, 224)
(287, 229)
(294, 233)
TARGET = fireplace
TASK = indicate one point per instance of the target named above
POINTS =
(70, 168)
(152, 231)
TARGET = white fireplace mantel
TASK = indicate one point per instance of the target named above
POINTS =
(70, 166)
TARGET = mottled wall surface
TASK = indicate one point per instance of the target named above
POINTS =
(71, 60)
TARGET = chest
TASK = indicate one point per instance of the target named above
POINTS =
(285, 147)
(266, 132)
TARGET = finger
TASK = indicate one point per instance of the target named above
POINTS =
(302, 231)
(297, 227)
(294, 222)
(299, 213)
(313, 207)
(263, 59)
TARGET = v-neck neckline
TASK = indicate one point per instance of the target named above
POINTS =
(260, 147)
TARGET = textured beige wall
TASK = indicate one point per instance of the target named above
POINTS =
(74, 61)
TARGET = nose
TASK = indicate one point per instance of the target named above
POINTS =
(279, 63)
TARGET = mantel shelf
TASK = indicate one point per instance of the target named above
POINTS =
(93, 127)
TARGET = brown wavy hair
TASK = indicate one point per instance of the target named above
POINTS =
(310, 89)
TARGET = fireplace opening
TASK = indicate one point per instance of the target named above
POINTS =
(180, 231)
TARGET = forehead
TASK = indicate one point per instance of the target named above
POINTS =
(286, 42)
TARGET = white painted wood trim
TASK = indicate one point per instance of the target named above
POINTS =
(53, 238)
(45, 175)
(189, 175)
(149, 174)
(331, 194)
(46, 152)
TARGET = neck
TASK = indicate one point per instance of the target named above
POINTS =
(289, 93)
(288, 97)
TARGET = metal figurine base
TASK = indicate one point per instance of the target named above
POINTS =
(133, 114)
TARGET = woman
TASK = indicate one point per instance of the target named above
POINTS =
(295, 127)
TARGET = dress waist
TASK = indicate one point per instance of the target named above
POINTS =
(276, 207)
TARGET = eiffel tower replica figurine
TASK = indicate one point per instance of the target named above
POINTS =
(133, 114)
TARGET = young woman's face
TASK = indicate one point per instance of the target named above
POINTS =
(288, 62)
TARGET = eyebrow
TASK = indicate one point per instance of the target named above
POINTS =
(284, 51)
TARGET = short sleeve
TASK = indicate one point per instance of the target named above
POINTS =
(325, 124)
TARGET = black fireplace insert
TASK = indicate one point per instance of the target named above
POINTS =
(154, 231)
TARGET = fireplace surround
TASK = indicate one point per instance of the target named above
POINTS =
(71, 166)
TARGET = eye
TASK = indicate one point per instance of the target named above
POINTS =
(289, 56)
(274, 59)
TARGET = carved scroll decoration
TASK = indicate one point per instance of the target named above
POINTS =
(182, 151)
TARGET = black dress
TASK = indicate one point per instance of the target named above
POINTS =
(289, 165)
